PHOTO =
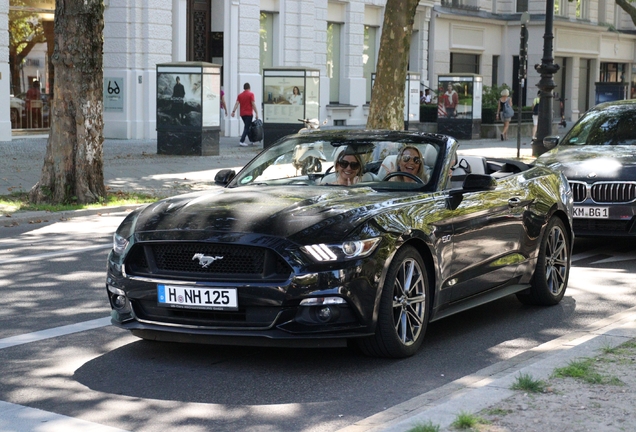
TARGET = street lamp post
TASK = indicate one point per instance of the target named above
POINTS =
(547, 69)
(523, 59)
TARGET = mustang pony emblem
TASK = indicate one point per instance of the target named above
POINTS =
(205, 260)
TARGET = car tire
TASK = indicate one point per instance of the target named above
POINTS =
(404, 308)
(550, 278)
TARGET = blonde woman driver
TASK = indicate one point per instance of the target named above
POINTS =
(410, 160)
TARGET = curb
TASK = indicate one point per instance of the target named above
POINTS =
(37, 217)
(491, 385)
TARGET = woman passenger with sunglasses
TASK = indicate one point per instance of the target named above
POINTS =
(410, 160)
(348, 169)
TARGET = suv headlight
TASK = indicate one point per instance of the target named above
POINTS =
(344, 251)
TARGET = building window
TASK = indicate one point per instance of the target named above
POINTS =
(333, 60)
(464, 63)
(495, 70)
(581, 9)
(613, 72)
(522, 5)
(267, 40)
(559, 7)
(602, 11)
(369, 56)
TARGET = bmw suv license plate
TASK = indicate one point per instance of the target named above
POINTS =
(591, 212)
(189, 297)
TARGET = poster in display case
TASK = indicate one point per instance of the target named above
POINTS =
(284, 99)
(459, 98)
(289, 95)
(188, 108)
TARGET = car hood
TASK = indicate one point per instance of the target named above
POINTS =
(595, 163)
(277, 211)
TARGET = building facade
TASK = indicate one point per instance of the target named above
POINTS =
(594, 42)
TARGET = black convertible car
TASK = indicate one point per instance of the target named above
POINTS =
(598, 156)
(282, 255)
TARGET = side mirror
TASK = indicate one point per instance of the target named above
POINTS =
(224, 176)
(478, 182)
(472, 183)
(551, 142)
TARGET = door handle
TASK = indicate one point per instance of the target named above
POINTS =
(514, 202)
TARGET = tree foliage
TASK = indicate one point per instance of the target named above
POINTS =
(386, 110)
(73, 165)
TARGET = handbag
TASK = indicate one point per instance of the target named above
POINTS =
(255, 133)
(508, 112)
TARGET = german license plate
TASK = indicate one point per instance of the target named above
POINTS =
(189, 297)
(591, 212)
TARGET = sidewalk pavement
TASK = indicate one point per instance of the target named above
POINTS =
(133, 165)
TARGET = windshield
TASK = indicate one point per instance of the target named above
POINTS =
(343, 160)
(609, 126)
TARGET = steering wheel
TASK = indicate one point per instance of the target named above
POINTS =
(403, 174)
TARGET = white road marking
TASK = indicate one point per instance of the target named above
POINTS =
(55, 254)
(53, 332)
(18, 418)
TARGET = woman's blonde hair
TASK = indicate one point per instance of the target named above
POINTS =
(420, 170)
(505, 92)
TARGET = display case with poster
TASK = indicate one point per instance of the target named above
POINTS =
(188, 108)
(459, 99)
(289, 95)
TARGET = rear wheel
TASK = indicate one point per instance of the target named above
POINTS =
(403, 311)
(553, 267)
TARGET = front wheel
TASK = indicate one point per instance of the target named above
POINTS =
(553, 267)
(403, 311)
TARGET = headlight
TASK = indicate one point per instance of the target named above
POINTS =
(344, 251)
(119, 244)
(125, 231)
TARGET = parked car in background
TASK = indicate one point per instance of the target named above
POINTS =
(598, 156)
(18, 113)
(39, 117)
(284, 256)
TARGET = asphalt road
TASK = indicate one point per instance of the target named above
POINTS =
(59, 355)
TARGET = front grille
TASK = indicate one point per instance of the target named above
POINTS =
(579, 191)
(604, 192)
(194, 260)
(613, 192)
(255, 317)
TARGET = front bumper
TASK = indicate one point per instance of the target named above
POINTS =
(269, 313)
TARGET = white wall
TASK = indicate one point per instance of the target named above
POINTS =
(137, 36)
(5, 74)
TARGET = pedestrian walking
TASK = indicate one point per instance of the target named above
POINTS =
(247, 106)
(505, 112)
(535, 115)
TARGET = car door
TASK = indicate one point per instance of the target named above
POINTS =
(487, 235)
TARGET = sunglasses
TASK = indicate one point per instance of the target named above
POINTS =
(416, 159)
(345, 164)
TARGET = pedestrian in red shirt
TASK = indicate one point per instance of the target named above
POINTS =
(248, 107)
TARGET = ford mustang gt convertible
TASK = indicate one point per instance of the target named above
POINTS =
(280, 254)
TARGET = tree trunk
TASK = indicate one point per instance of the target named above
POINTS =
(386, 110)
(627, 6)
(73, 170)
